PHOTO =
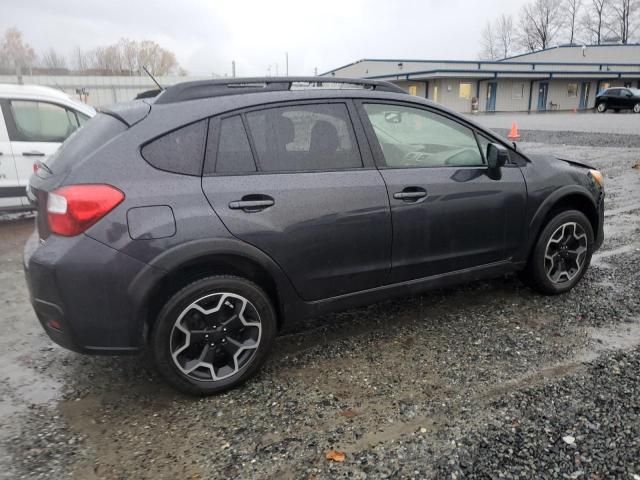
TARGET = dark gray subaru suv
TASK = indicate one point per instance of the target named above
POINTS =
(198, 222)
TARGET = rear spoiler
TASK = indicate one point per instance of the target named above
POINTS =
(128, 113)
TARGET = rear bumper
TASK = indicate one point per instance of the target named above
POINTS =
(78, 289)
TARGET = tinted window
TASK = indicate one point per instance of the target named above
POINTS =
(614, 92)
(180, 151)
(304, 137)
(234, 152)
(411, 137)
(41, 122)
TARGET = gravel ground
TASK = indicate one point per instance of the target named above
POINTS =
(481, 381)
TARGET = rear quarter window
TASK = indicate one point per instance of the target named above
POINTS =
(180, 151)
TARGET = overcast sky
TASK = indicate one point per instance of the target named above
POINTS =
(207, 35)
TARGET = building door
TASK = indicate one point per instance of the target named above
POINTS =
(584, 95)
(492, 89)
(543, 91)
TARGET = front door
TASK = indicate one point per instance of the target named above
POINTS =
(584, 95)
(10, 192)
(492, 89)
(36, 130)
(311, 201)
(543, 90)
(449, 212)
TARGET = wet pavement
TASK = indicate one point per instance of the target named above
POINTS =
(400, 387)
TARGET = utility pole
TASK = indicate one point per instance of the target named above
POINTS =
(233, 68)
(276, 69)
(315, 72)
(286, 61)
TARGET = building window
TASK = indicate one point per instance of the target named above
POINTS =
(517, 91)
(465, 90)
(572, 90)
(413, 90)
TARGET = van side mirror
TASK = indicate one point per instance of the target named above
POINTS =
(496, 157)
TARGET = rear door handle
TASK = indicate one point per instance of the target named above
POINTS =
(252, 203)
(410, 194)
(33, 154)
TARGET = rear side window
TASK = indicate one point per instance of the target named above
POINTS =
(304, 138)
(180, 151)
(233, 149)
(41, 122)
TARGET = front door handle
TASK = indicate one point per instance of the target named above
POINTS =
(33, 153)
(252, 203)
(410, 194)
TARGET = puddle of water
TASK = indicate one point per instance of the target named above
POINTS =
(619, 337)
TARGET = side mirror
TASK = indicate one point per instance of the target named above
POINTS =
(496, 157)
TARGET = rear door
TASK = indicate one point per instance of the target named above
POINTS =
(10, 192)
(36, 130)
(298, 182)
(449, 212)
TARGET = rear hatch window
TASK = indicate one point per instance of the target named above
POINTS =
(84, 141)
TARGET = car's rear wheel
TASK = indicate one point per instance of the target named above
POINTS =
(213, 334)
(601, 107)
(561, 255)
(636, 108)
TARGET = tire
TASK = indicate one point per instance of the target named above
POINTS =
(225, 359)
(601, 107)
(636, 108)
(541, 270)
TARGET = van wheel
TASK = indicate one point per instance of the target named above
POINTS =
(213, 334)
(561, 255)
(601, 108)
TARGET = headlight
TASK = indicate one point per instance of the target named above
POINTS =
(597, 177)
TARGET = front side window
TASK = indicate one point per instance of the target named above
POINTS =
(304, 138)
(180, 151)
(411, 137)
(41, 121)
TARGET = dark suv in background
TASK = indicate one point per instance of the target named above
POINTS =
(200, 221)
(618, 99)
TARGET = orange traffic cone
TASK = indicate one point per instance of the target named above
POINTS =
(513, 134)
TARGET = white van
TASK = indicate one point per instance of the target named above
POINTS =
(35, 120)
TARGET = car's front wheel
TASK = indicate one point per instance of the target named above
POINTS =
(636, 108)
(213, 334)
(562, 253)
(601, 107)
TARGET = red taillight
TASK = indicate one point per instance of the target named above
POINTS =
(73, 209)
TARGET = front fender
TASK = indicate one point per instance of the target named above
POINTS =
(538, 219)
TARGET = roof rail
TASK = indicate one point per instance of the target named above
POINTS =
(221, 87)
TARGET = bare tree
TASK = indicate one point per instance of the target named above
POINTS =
(489, 43)
(15, 53)
(82, 59)
(622, 20)
(540, 22)
(53, 60)
(505, 34)
(572, 11)
(593, 21)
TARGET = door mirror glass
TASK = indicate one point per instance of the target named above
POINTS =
(496, 157)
